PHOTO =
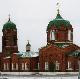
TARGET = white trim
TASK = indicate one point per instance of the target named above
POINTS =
(57, 65)
(26, 67)
(69, 65)
(52, 35)
(4, 66)
(16, 66)
(38, 66)
(69, 69)
(12, 66)
(63, 42)
(69, 35)
(22, 66)
(7, 66)
(46, 65)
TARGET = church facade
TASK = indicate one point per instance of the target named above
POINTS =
(59, 55)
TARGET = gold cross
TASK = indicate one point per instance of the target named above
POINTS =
(58, 5)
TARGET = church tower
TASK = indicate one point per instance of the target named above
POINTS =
(28, 47)
(9, 38)
(59, 31)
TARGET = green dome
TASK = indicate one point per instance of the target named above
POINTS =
(58, 21)
(9, 25)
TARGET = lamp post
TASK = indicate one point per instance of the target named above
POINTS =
(79, 70)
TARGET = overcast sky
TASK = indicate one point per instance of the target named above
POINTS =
(32, 17)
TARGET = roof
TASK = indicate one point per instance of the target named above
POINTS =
(75, 53)
(9, 25)
(58, 21)
(67, 49)
(61, 45)
(29, 54)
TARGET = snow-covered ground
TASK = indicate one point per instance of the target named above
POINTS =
(17, 77)
(39, 75)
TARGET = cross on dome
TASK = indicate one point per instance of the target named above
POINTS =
(9, 17)
(58, 6)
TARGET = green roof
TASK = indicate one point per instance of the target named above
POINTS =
(9, 25)
(58, 21)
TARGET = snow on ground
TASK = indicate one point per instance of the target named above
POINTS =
(40, 75)
(17, 77)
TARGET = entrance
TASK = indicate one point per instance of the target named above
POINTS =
(51, 67)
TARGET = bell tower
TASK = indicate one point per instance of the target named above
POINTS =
(9, 38)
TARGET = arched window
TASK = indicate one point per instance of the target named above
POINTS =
(6, 66)
(52, 35)
(69, 35)
(26, 66)
(46, 65)
(23, 66)
(14, 66)
(38, 65)
(69, 65)
(57, 65)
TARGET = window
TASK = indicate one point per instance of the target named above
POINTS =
(23, 67)
(15, 40)
(38, 65)
(69, 65)
(69, 35)
(57, 65)
(46, 65)
(26, 66)
(52, 35)
(14, 66)
(6, 66)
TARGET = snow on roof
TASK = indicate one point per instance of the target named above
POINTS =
(29, 54)
(7, 57)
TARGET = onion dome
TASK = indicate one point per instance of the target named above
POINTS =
(28, 44)
(9, 25)
(58, 22)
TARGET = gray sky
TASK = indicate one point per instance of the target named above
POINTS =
(32, 17)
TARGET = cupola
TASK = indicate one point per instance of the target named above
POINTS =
(58, 22)
(9, 25)
(28, 46)
(59, 30)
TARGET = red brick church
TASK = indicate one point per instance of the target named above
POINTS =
(60, 54)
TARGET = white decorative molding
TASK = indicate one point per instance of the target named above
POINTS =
(7, 66)
(16, 66)
(46, 65)
(22, 66)
(69, 35)
(52, 35)
(4, 66)
(57, 65)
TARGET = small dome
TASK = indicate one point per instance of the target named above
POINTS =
(28, 44)
(58, 21)
(9, 25)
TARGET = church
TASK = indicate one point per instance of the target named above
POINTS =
(59, 55)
